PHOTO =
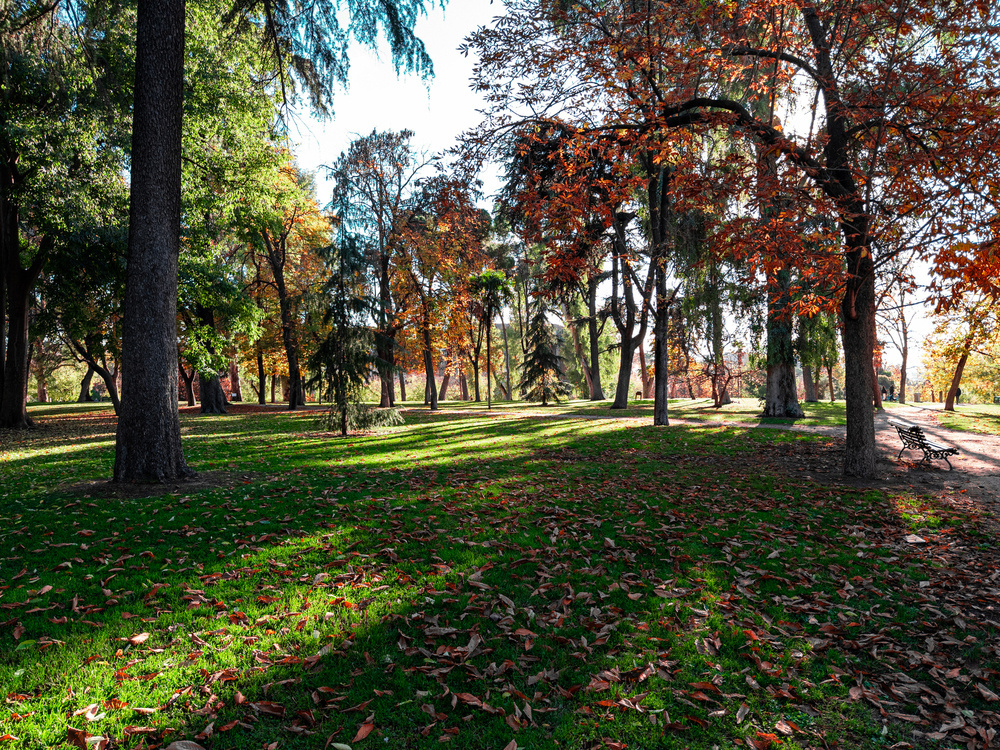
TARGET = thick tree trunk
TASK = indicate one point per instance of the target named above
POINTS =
(463, 384)
(445, 381)
(235, 386)
(781, 392)
(148, 444)
(14, 397)
(809, 384)
(858, 313)
(85, 396)
(188, 379)
(402, 386)
(274, 384)
(213, 400)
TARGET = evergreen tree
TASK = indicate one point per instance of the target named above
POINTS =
(344, 358)
(542, 369)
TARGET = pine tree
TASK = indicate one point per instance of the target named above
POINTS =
(542, 369)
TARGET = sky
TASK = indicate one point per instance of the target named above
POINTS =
(437, 110)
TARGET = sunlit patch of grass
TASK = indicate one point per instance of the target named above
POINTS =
(981, 418)
(469, 579)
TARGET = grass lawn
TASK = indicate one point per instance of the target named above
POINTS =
(982, 418)
(470, 581)
(740, 410)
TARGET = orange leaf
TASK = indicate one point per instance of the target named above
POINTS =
(363, 731)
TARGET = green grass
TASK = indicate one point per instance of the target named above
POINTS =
(477, 580)
(981, 418)
(746, 410)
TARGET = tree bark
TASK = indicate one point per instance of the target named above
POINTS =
(809, 384)
(148, 444)
(781, 393)
(445, 381)
(646, 384)
(902, 373)
(213, 400)
(463, 384)
(596, 391)
(19, 283)
(430, 386)
(949, 404)
(402, 386)
(235, 386)
(85, 397)
(261, 377)
(188, 380)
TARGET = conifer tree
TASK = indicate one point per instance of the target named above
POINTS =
(542, 369)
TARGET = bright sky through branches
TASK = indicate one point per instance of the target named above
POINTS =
(437, 110)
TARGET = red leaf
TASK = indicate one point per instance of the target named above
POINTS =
(363, 731)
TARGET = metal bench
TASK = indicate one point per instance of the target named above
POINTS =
(913, 437)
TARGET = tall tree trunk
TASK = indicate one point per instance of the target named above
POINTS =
(188, 380)
(876, 391)
(596, 391)
(14, 396)
(646, 384)
(235, 386)
(949, 404)
(274, 383)
(261, 377)
(720, 375)
(781, 393)
(475, 379)
(661, 363)
(402, 386)
(445, 381)
(809, 384)
(489, 364)
(902, 372)
(430, 385)
(578, 350)
(829, 375)
(506, 355)
(858, 314)
(85, 396)
(463, 384)
(148, 443)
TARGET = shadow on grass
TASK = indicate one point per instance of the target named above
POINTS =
(460, 579)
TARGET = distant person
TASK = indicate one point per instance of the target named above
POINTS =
(892, 391)
(883, 393)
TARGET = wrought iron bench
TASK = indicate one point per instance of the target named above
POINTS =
(913, 437)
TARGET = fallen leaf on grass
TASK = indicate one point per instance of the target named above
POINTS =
(8, 738)
(986, 692)
(363, 731)
(141, 638)
(741, 714)
(184, 745)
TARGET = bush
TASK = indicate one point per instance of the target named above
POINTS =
(363, 417)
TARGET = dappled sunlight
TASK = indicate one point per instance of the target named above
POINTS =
(476, 581)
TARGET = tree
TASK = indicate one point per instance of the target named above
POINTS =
(61, 159)
(344, 358)
(147, 446)
(374, 179)
(441, 240)
(904, 103)
(493, 291)
(542, 369)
